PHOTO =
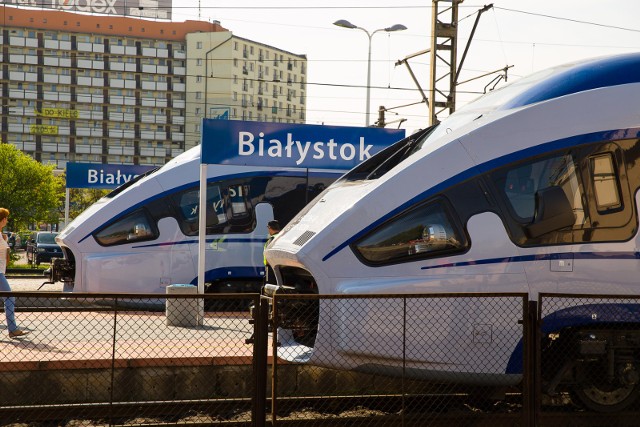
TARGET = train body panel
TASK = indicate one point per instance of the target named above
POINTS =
(531, 189)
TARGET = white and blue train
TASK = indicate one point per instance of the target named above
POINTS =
(143, 236)
(532, 188)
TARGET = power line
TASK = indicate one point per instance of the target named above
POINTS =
(560, 18)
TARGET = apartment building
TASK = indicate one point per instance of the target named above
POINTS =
(232, 77)
(119, 90)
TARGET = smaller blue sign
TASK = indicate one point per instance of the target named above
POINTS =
(102, 176)
(291, 145)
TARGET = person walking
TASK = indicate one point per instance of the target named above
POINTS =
(274, 228)
(9, 302)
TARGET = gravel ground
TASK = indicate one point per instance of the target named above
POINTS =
(19, 284)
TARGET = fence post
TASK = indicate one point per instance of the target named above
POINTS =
(113, 359)
(531, 364)
(260, 348)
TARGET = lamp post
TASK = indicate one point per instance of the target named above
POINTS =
(346, 24)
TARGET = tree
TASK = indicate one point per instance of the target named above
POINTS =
(81, 198)
(28, 189)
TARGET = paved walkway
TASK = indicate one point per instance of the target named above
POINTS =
(86, 340)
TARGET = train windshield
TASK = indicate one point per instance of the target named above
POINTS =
(129, 184)
(387, 159)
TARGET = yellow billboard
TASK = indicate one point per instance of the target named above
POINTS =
(43, 130)
(59, 113)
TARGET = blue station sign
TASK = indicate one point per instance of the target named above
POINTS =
(102, 176)
(291, 145)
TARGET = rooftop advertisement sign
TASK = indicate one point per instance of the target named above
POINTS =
(156, 9)
(292, 145)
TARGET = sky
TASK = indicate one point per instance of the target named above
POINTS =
(527, 35)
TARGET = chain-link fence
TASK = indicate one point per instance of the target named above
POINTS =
(133, 360)
(408, 360)
(463, 359)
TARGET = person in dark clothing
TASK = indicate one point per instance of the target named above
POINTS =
(274, 228)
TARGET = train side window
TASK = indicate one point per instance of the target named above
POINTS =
(135, 227)
(188, 203)
(605, 183)
(422, 232)
(216, 213)
(520, 184)
(239, 200)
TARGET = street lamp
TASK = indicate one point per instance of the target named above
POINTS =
(346, 24)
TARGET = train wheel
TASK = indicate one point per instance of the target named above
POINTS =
(599, 395)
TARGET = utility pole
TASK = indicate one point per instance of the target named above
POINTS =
(443, 63)
(444, 69)
(381, 123)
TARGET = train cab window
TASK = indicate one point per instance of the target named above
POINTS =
(422, 232)
(605, 183)
(135, 227)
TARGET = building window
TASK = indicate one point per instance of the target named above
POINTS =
(198, 45)
(198, 95)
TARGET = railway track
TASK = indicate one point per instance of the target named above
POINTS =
(379, 410)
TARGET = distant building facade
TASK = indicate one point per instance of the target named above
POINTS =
(104, 89)
(235, 78)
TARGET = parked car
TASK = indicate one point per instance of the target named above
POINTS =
(42, 247)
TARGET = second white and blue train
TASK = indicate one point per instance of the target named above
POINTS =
(533, 189)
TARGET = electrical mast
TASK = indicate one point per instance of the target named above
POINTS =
(443, 63)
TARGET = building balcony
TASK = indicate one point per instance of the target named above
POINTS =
(90, 115)
(121, 133)
(116, 50)
(95, 132)
(154, 152)
(151, 118)
(148, 134)
(55, 148)
(25, 146)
